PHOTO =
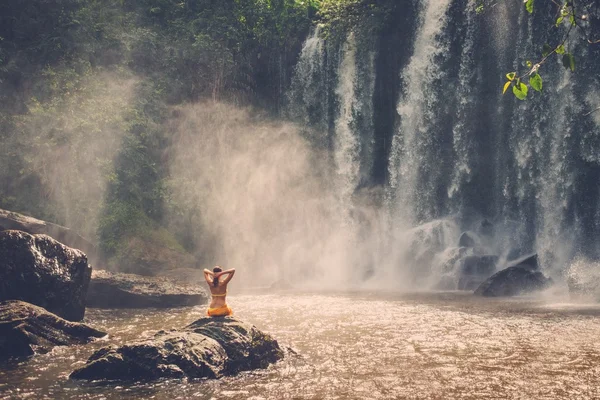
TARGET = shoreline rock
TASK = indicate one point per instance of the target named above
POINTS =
(117, 290)
(513, 281)
(40, 270)
(10, 220)
(26, 329)
(207, 348)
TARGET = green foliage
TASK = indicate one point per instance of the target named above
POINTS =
(529, 6)
(566, 11)
(520, 90)
(338, 17)
(535, 81)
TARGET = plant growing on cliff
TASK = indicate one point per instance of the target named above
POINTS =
(571, 16)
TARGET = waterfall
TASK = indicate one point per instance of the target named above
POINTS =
(463, 132)
(453, 149)
(413, 178)
(308, 97)
(346, 142)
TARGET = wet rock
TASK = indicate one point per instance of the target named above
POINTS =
(207, 348)
(26, 329)
(475, 270)
(467, 240)
(513, 281)
(44, 272)
(10, 220)
(115, 290)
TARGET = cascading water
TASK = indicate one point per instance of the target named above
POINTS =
(413, 177)
(459, 150)
(346, 143)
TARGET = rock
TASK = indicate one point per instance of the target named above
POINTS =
(14, 221)
(513, 281)
(44, 272)
(26, 329)
(115, 290)
(207, 348)
(475, 270)
(466, 240)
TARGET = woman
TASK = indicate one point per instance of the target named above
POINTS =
(218, 289)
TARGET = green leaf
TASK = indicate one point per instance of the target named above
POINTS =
(520, 91)
(546, 50)
(559, 20)
(535, 81)
(506, 86)
(529, 6)
(511, 76)
(560, 49)
(572, 19)
(529, 64)
(568, 61)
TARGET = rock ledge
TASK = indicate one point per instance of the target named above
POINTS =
(207, 348)
(26, 329)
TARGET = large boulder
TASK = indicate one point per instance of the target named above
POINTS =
(26, 329)
(513, 281)
(42, 271)
(115, 290)
(474, 270)
(10, 220)
(207, 348)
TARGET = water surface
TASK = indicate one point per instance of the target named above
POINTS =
(360, 346)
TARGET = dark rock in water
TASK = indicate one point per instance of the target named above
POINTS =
(529, 261)
(44, 272)
(207, 348)
(26, 329)
(513, 281)
(475, 270)
(466, 240)
(114, 290)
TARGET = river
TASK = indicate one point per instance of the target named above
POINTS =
(360, 345)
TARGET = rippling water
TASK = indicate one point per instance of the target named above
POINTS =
(360, 346)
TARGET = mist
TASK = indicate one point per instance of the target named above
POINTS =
(69, 146)
(261, 199)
